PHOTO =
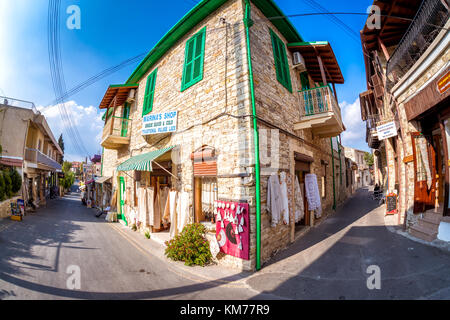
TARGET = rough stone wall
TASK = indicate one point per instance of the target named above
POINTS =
(224, 89)
(405, 141)
(276, 105)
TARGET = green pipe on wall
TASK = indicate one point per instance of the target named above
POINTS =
(248, 23)
(332, 164)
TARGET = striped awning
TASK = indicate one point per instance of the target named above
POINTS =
(142, 162)
(101, 180)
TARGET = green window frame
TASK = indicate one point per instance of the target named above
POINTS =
(107, 114)
(193, 60)
(281, 61)
(149, 93)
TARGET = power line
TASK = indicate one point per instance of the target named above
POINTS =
(58, 76)
(336, 20)
(97, 77)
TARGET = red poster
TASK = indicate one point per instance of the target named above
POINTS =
(233, 228)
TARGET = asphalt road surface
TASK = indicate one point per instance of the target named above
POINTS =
(40, 254)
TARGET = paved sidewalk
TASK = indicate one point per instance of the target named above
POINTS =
(331, 261)
(390, 221)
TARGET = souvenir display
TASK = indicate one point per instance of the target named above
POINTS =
(233, 228)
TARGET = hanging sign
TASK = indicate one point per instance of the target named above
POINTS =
(233, 228)
(387, 130)
(159, 123)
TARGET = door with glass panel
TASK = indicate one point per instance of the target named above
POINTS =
(424, 156)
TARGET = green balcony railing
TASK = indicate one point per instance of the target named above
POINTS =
(318, 101)
(117, 126)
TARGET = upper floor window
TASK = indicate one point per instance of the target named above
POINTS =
(149, 93)
(193, 60)
(281, 61)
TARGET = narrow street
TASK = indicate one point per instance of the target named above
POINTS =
(37, 252)
(329, 262)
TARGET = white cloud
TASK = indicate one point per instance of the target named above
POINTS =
(88, 122)
(355, 133)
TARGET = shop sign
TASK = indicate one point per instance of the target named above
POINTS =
(159, 123)
(387, 130)
(443, 83)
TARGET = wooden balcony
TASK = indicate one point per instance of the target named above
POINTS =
(320, 112)
(371, 131)
(116, 133)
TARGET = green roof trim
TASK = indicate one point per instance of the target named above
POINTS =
(123, 85)
(308, 43)
(270, 9)
(142, 162)
(197, 15)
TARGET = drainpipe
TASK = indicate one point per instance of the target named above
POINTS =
(332, 164)
(340, 161)
(248, 23)
(101, 169)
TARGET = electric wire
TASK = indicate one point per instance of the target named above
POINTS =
(57, 76)
(59, 83)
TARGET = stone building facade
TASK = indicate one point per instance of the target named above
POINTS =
(403, 83)
(363, 175)
(217, 112)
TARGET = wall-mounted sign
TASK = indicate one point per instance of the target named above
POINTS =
(443, 84)
(408, 159)
(159, 123)
(387, 130)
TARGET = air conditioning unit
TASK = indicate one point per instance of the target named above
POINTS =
(299, 62)
(130, 98)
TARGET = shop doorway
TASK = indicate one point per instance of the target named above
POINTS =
(301, 170)
(122, 200)
(424, 155)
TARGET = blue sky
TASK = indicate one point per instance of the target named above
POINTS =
(115, 30)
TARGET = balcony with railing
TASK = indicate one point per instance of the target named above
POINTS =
(320, 112)
(116, 132)
(429, 21)
(371, 131)
(42, 161)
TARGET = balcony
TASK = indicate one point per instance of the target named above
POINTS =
(116, 133)
(371, 131)
(40, 160)
(320, 112)
(427, 24)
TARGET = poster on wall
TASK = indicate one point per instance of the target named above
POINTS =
(233, 228)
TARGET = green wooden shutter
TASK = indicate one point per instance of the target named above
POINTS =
(281, 61)
(149, 93)
(193, 60)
